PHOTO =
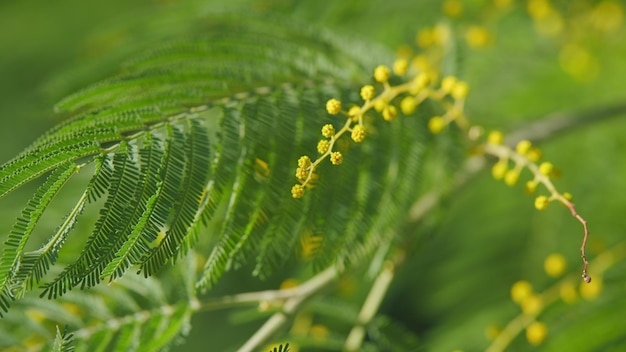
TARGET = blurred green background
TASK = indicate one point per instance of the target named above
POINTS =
(455, 284)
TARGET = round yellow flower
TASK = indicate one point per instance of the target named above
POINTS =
(436, 124)
(531, 187)
(499, 169)
(536, 333)
(381, 73)
(541, 202)
(333, 106)
(546, 168)
(358, 133)
(523, 147)
(322, 146)
(460, 90)
(304, 161)
(448, 83)
(532, 304)
(297, 191)
(367, 92)
(554, 265)
(511, 177)
(336, 158)
(400, 66)
(328, 130)
(534, 154)
(390, 112)
(520, 291)
(354, 112)
(591, 290)
(421, 81)
(302, 173)
(478, 37)
(408, 105)
(495, 137)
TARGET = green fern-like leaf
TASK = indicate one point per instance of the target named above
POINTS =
(23, 228)
(213, 125)
(62, 341)
(281, 348)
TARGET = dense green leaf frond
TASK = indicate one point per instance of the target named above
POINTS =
(186, 208)
(139, 237)
(23, 228)
(132, 314)
(150, 131)
(39, 161)
(35, 264)
(62, 341)
(281, 348)
(110, 227)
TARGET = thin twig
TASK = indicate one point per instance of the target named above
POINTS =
(370, 307)
(570, 205)
(290, 307)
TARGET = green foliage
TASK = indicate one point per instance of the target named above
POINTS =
(281, 348)
(178, 166)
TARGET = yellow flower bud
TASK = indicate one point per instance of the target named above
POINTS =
(536, 333)
(520, 291)
(499, 169)
(591, 290)
(408, 105)
(541, 202)
(511, 177)
(379, 105)
(495, 137)
(448, 83)
(531, 187)
(436, 124)
(546, 168)
(400, 66)
(328, 130)
(460, 90)
(333, 106)
(421, 81)
(477, 37)
(523, 147)
(425, 38)
(390, 112)
(297, 191)
(302, 173)
(381, 73)
(367, 92)
(304, 161)
(554, 265)
(534, 154)
(354, 111)
(358, 133)
(532, 304)
(336, 158)
(322, 146)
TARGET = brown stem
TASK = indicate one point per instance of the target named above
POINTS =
(575, 214)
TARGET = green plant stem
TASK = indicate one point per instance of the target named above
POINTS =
(290, 307)
(370, 307)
